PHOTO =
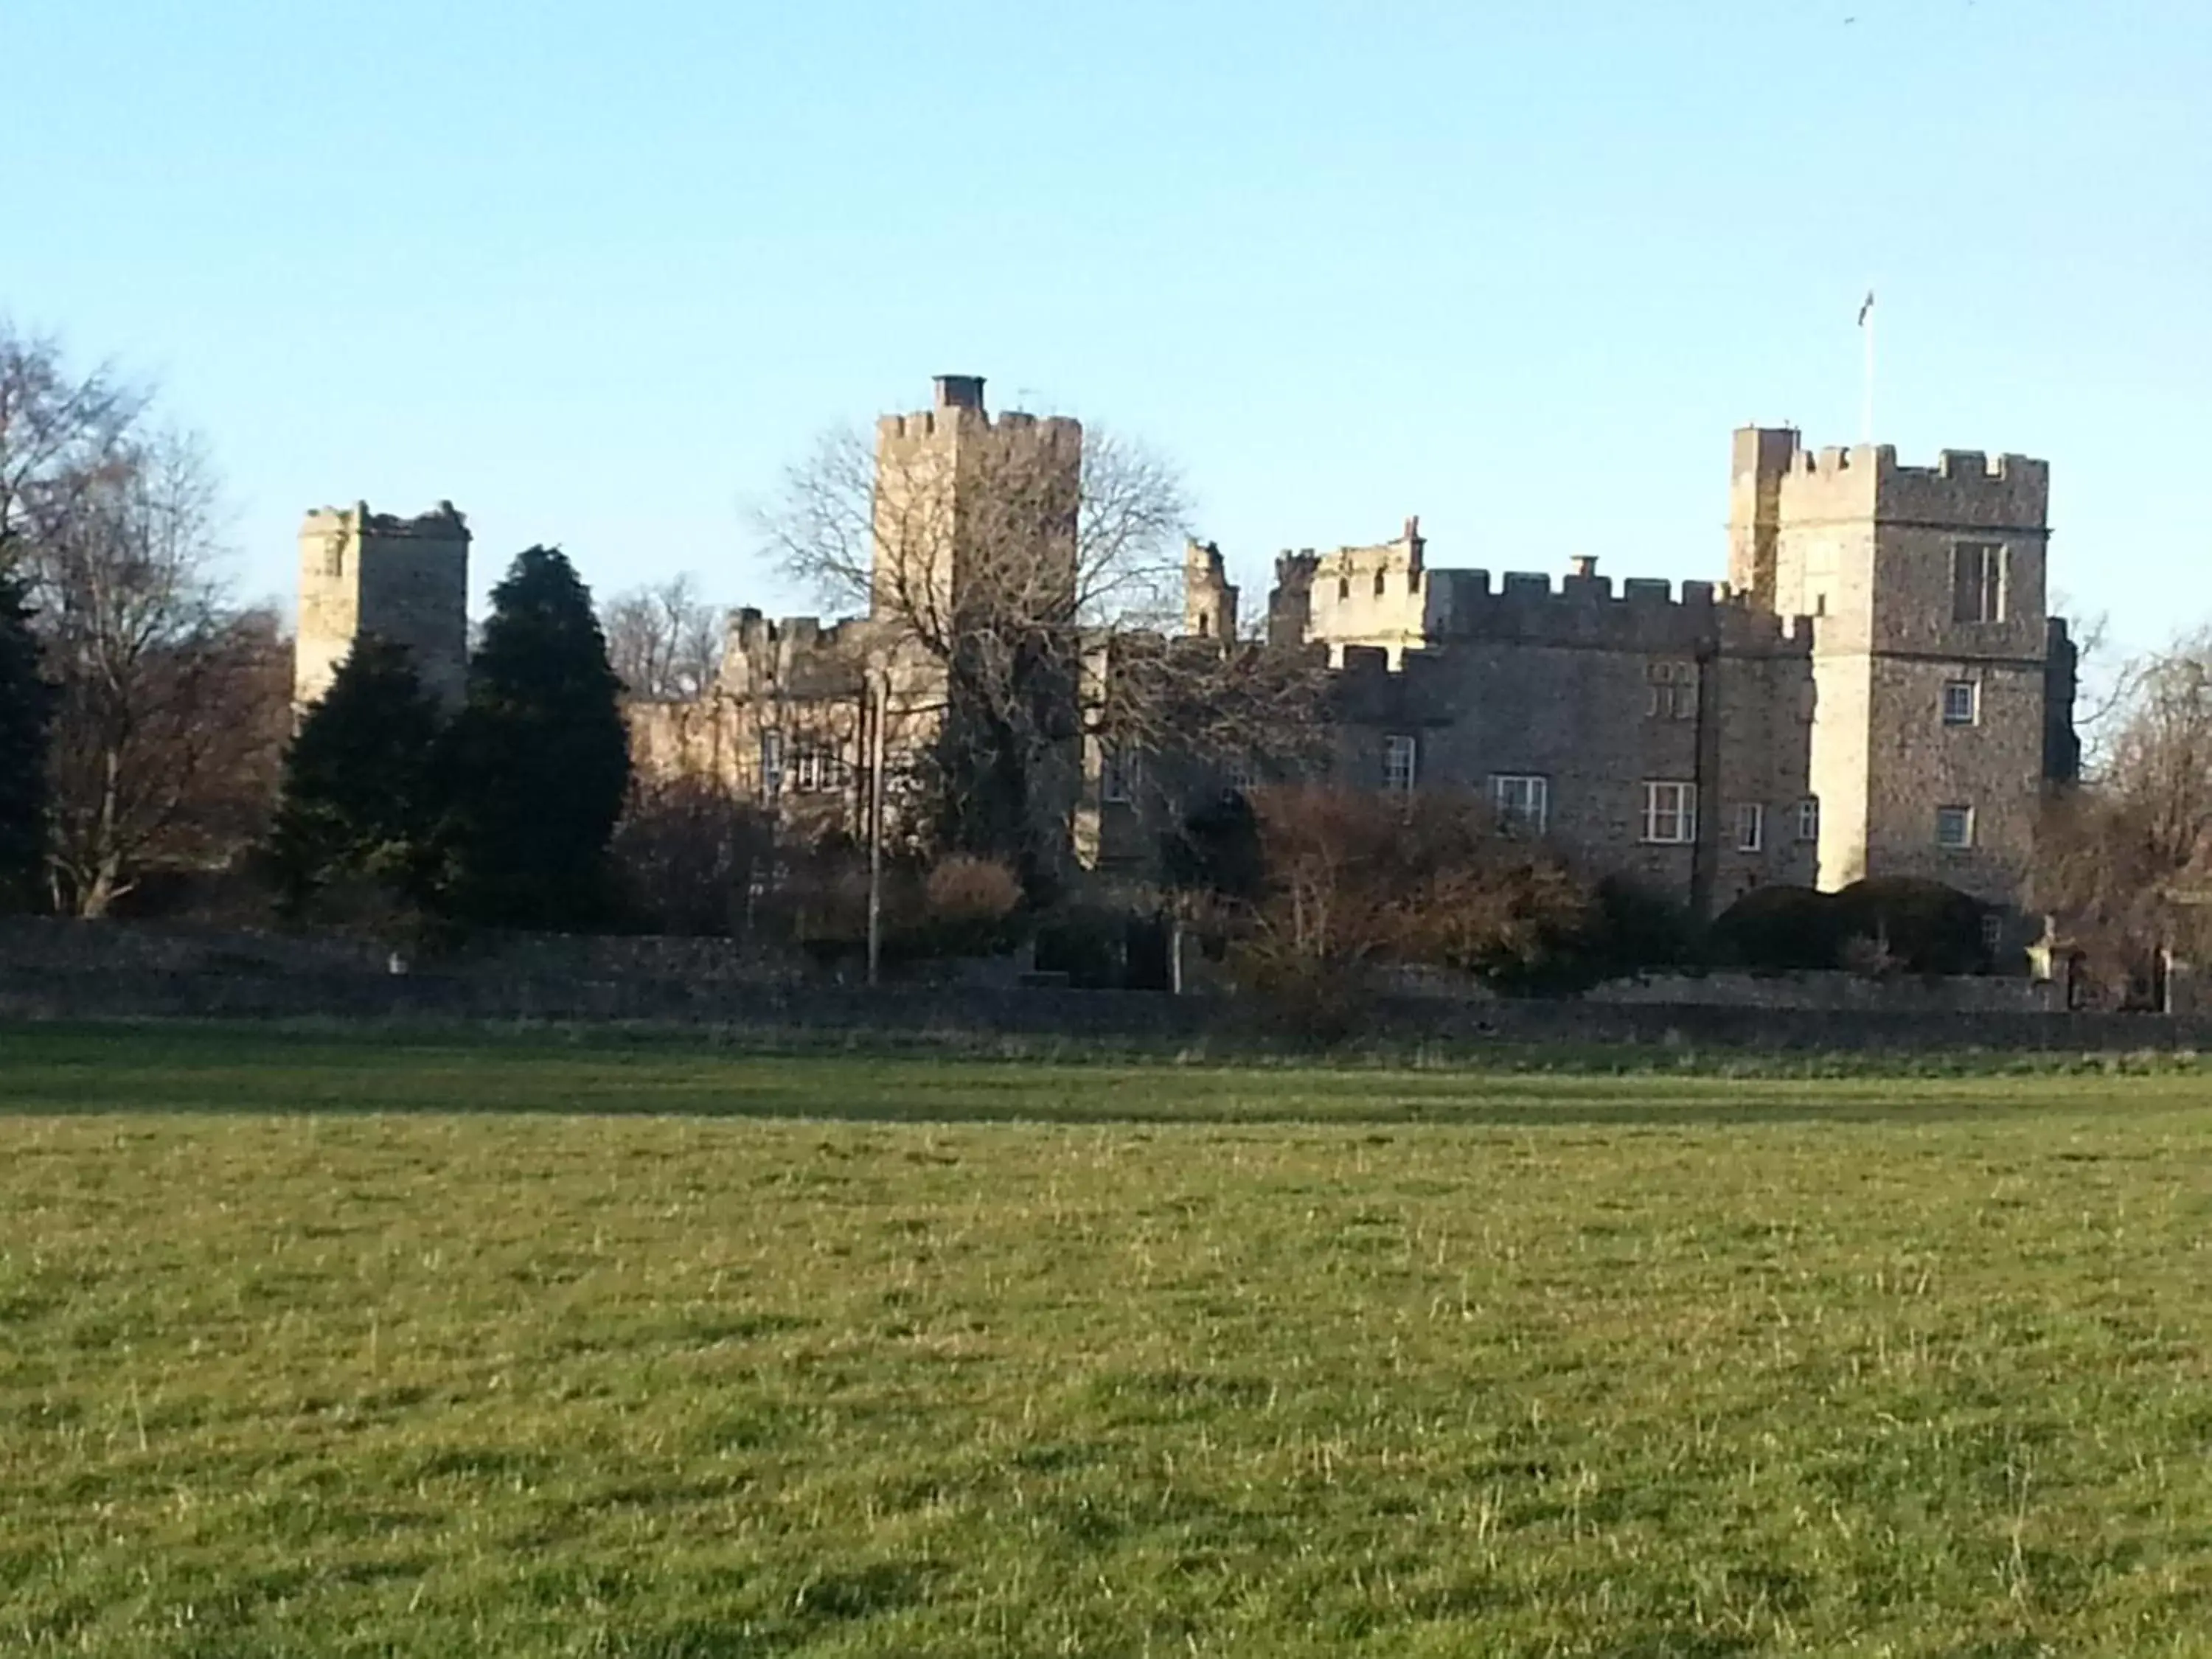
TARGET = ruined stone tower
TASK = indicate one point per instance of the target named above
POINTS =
(1209, 598)
(1930, 647)
(404, 580)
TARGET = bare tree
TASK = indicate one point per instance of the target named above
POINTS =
(169, 707)
(1034, 565)
(2126, 861)
(59, 432)
(664, 641)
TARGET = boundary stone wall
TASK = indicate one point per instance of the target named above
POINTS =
(61, 970)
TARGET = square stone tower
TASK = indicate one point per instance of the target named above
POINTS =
(1926, 589)
(966, 503)
(404, 580)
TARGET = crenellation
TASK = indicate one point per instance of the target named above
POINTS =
(1815, 676)
(401, 579)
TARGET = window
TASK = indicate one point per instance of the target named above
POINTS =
(1750, 826)
(1674, 688)
(1955, 828)
(815, 769)
(771, 764)
(1241, 773)
(1978, 583)
(1343, 587)
(1398, 754)
(1522, 803)
(1809, 818)
(1118, 774)
(1962, 702)
(1993, 930)
(1381, 583)
(1670, 813)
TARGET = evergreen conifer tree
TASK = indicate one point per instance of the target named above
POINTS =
(537, 762)
(359, 800)
(26, 709)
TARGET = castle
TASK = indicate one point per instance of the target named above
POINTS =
(402, 580)
(1875, 689)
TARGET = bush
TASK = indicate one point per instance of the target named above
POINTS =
(686, 855)
(1086, 942)
(1923, 927)
(1889, 924)
(1778, 930)
(969, 907)
(1625, 928)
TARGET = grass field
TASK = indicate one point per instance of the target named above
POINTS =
(312, 1344)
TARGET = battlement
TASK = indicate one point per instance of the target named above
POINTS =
(794, 656)
(959, 418)
(1968, 487)
(1583, 609)
(443, 523)
(1958, 465)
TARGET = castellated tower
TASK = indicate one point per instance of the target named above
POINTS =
(404, 580)
(964, 503)
(1209, 599)
(1930, 647)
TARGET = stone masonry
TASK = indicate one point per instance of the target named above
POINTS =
(404, 580)
(1876, 689)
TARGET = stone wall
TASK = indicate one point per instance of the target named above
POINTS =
(87, 970)
(404, 580)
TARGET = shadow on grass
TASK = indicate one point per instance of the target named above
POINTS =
(87, 1070)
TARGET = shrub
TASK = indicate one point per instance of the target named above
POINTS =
(1925, 927)
(968, 909)
(1885, 925)
(1778, 930)
(686, 855)
(1086, 942)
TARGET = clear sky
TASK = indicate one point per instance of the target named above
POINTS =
(595, 273)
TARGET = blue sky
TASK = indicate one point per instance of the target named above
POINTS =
(595, 273)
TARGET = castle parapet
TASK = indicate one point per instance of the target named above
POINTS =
(1583, 610)
(1966, 488)
(794, 656)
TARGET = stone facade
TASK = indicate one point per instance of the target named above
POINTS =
(1876, 689)
(1931, 662)
(961, 497)
(404, 580)
(1660, 737)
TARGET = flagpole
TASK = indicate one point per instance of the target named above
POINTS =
(1866, 394)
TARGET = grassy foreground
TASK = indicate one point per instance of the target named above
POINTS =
(319, 1346)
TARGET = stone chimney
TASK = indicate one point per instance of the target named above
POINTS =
(960, 392)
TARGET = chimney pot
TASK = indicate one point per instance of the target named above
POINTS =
(960, 392)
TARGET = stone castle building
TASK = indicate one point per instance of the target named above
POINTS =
(1876, 687)
(962, 499)
(404, 580)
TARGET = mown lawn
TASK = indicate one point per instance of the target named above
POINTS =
(320, 1345)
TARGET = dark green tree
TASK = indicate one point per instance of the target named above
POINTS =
(360, 805)
(537, 764)
(26, 712)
